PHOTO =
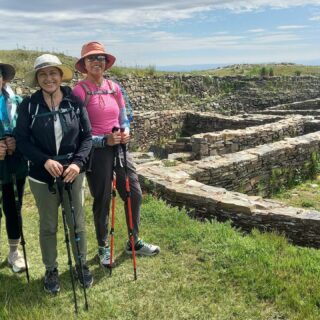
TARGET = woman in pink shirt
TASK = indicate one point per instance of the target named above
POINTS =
(107, 113)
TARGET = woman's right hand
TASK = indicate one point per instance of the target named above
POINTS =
(11, 145)
(54, 168)
(113, 138)
(3, 149)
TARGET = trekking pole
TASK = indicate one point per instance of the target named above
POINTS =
(18, 208)
(60, 185)
(128, 193)
(113, 203)
(68, 187)
(113, 206)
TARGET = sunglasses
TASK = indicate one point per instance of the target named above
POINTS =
(96, 57)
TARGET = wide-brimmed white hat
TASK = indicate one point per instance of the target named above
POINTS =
(44, 61)
(7, 70)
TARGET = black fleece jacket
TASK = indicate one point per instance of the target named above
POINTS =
(37, 141)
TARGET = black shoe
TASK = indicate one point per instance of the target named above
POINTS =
(51, 281)
(87, 279)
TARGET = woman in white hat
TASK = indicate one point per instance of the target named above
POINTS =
(13, 168)
(54, 134)
(106, 109)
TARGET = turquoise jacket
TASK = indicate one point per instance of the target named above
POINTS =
(15, 163)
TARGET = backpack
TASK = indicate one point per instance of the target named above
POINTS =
(89, 93)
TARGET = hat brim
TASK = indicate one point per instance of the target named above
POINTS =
(80, 63)
(8, 71)
(31, 81)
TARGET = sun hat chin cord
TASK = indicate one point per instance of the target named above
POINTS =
(53, 107)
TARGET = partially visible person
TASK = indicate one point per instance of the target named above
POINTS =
(13, 167)
(106, 109)
(53, 132)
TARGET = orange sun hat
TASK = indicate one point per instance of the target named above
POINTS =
(94, 48)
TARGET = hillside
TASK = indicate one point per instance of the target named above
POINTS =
(23, 60)
(272, 69)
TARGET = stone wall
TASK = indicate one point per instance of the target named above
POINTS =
(260, 170)
(230, 95)
(178, 188)
(156, 128)
(311, 104)
(199, 122)
(228, 141)
(222, 94)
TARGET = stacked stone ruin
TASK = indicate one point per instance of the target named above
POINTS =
(223, 165)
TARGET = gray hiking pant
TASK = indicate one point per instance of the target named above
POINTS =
(99, 181)
(48, 204)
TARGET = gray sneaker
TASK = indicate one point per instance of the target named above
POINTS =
(142, 248)
(16, 261)
(104, 256)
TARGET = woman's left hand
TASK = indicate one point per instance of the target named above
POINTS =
(11, 145)
(125, 137)
(71, 173)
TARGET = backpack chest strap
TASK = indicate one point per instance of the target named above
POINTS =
(90, 93)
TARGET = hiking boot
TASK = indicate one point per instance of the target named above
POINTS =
(87, 279)
(16, 261)
(143, 248)
(104, 256)
(51, 281)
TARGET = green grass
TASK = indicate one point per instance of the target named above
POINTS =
(204, 271)
(279, 69)
(306, 195)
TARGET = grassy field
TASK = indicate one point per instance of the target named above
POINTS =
(205, 271)
(285, 69)
(305, 195)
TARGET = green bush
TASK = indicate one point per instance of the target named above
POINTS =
(263, 72)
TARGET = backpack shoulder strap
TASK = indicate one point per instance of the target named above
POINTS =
(127, 101)
(33, 115)
(87, 92)
(111, 85)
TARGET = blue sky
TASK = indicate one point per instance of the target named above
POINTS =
(166, 32)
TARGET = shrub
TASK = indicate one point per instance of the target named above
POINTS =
(263, 72)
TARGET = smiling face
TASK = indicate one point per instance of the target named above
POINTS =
(49, 79)
(95, 65)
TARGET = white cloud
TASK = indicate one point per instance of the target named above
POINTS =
(132, 12)
(256, 30)
(292, 27)
(146, 32)
(276, 37)
(315, 18)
